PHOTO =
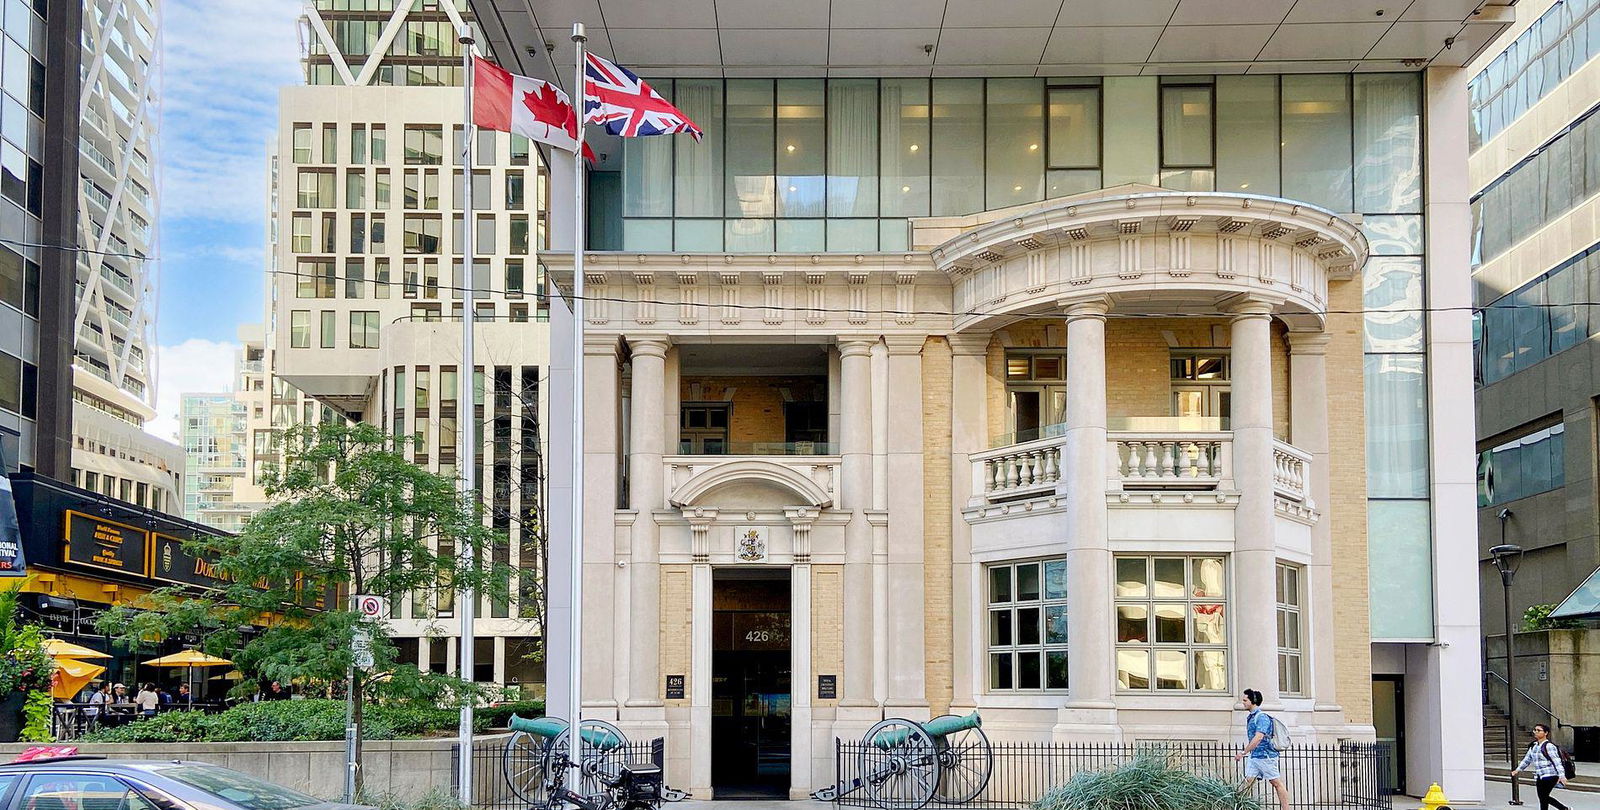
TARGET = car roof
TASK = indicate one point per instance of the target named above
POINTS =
(92, 762)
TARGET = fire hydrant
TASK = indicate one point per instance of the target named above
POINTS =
(1434, 799)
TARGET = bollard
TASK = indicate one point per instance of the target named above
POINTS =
(1434, 799)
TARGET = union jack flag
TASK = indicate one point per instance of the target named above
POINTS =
(624, 105)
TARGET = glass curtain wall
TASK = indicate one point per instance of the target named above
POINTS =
(1563, 40)
(1544, 186)
(811, 165)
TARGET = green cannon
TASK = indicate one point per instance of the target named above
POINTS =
(536, 757)
(903, 765)
(603, 738)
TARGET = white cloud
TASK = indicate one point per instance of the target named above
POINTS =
(224, 63)
(194, 366)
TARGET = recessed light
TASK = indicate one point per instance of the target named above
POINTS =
(1016, 188)
(1244, 185)
(905, 189)
(791, 189)
(1033, 147)
(790, 147)
(914, 147)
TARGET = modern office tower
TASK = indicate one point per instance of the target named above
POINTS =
(1534, 176)
(366, 288)
(1010, 357)
(113, 320)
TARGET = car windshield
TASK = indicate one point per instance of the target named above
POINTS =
(245, 791)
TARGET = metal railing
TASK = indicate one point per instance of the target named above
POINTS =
(1346, 775)
(491, 766)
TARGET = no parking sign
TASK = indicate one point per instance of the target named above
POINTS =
(371, 608)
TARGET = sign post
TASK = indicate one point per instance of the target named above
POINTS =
(372, 609)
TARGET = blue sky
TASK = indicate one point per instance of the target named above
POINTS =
(223, 64)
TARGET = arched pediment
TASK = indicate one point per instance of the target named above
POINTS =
(746, 472)
(1150, 250)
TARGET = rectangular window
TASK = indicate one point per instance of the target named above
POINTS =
(358, 233)
(300, 240)
(516, 197)
(1290, 653)
(852, 139)
(424, 145)
(519, 150)
(302, 143)
(802, 138)
(513, 278)
(380, 144)
(519, 234)
(380, 190)
(1074, 127)
(903, 136)
(411, 283)
(355, 188)
(330, 143)
(315, 188)
(363, 330)
(957, 160)
(329, 331)
(1013, 142)
(314, 278)
(329, 237)
(1171, 624)
(1317, 163)
(1188, 136)
(422, 233)
(1027, 626)
(380, 277)
(358, 143)
(1247, 134)
(420, 396)
(355, 278)
(483, 238)
(380, 233)
(1527, 465)
(300, 329)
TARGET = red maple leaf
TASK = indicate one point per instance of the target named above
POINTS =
(549, 108)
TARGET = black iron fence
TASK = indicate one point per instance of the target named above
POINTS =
(508, 776)
(1347, 775)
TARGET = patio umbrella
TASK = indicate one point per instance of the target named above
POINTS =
(71, 676)
(56, 648)
(227, 676)
(188, 658)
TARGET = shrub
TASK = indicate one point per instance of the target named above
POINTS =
(1153, 780)
(435, 799)
(499, 716)
(1537, 617)
(303, 720)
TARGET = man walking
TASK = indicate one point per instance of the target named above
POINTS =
(1260, 755)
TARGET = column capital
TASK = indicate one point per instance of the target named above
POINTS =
(970, 344)
(904, 344)
(649, 345)
(1309, 342)
(856, 345)
(1248, 306)
(601, 344)
(699, 515)
(1076, 308)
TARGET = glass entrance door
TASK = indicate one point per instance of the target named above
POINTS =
(750, 687)
(1389, 720)
(1034, 408)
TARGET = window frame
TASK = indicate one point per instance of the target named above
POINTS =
(1011, 606)
(1296, 611)
(1189, 646)
(1161, 123)
(1100, 130)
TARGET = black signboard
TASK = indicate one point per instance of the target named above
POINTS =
(175, 564)
(675, 687)
(12, 561)
(106, 544)
(827, 687)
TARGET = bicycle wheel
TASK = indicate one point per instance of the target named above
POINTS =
(526, 763)
(603, 752)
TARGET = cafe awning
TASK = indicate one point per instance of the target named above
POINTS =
(1583, 602)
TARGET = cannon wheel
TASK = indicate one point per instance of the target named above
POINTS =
(902, 776)
(597, 761)
(965, 764)
(526, 765)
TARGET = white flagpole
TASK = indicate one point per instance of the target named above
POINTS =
(466, 415)
(575, 620)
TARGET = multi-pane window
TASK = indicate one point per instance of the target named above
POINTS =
(314, 278)
(363, 330)
(513, 278)
(300, 241)
(1027, 627)
(1073, 163)
(315, 188)
(1290, 653)
(329, 330)
(519, 234)
(703, 428)
(302, 143)
(1172, 624)
(300, 329)
(19, 281)
(380, 233)
(1036, 394)
(519, 150)
(422, 234)
(424, 145)
(1526, 465)
(516, 198)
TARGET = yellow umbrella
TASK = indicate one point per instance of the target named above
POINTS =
(188, 658)
(71, 676)
(228, 676)
(56, 648)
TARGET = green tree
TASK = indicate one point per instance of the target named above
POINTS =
(350, 515)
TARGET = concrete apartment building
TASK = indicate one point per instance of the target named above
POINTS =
(366, 289)
(216, 446)
(1012, 359)
(1534, 172)
(113, 320)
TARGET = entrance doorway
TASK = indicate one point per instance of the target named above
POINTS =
(750, 692)
(1389, 720)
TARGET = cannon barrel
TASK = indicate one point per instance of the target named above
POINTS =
(551, 727)
(936, 728)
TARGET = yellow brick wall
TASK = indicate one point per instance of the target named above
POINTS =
(995, 364)
(1347, 514)
(827, 627)
(677, 627)
(936, 522)
(757, 412)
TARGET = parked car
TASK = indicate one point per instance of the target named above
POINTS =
(97, 783)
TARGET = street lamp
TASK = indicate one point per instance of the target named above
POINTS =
(1507, 558)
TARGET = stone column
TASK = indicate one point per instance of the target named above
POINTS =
(701, 519)
(907, 694)
(602, 382)
(855, 495)
(647, 445)
(1255, 542)
(801, 519)
(969, 433)
(1308, 430)
(1083, 485)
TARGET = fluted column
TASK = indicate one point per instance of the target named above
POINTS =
(855, 495)
(1308, 430)
(647, 446)
(1083, 483)
(1254, 555)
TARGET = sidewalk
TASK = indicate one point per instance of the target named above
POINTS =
(1497, 795)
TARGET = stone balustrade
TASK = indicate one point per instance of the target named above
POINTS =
(1179, 460)
(1030, 468)
(1291, 468)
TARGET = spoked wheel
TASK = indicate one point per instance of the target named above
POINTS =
(965, 764)
(900, 765)
(604, 752)
(527, 765)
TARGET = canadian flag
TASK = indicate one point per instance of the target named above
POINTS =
(533, 108)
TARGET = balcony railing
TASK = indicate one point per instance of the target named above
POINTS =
(1171, 460)
(1290, 471)
(687, 448)
(1030, 468)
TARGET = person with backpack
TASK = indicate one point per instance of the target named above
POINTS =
(1551, 766)
(1262, 742)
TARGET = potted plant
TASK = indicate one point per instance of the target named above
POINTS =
(25, 667)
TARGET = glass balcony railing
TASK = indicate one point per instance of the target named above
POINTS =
(707, 448)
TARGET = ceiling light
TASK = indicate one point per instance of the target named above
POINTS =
(1033, 147)
(1244, 185)
(1016, 188)
(905, 189)
(790, 147)
(914, 147)
(791, 189)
